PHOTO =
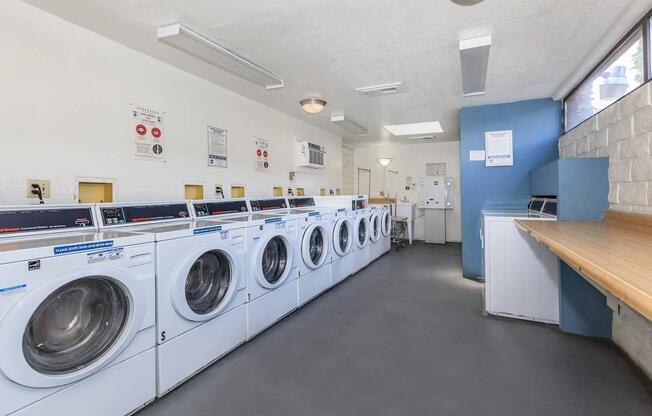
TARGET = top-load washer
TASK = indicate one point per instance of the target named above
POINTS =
(340, 235)
(312, 248)
(77, 314)
(200, 285)
(359, 216)
(272, 286)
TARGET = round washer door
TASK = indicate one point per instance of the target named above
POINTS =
(374, 226)
(314, 246)
(71, 327)
(361, 232)
(205, 284)
(342, 237)
(273, 261)
(386, 223)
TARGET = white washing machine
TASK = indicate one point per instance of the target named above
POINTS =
(218, 208)
(359, 217)
(340, 236)
(200, 285)
(313, 252)
(386, 227)
(376, 246)
(272, 285)
(77, 314)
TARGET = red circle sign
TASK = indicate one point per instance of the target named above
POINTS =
(156, 132)
(141, 129)
(265, 153)
(258, 152)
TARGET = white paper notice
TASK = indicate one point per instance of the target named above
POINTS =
(148, 138)
(498, 145)
(262, 153)
(476, 155)
(216, 147)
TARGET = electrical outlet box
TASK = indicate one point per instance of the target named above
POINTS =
(43, 183)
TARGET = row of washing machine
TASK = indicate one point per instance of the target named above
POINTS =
(105, 307)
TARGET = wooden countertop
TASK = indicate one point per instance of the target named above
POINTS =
(382, 201)
(616, 254)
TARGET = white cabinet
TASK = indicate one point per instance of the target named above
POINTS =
(521, 275)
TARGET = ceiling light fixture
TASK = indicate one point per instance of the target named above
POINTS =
(474, 57)
(384, 162)
(381, 89)
(312, 105)
(413, 129)
(348, 124)
(467, 2)
(180, 37)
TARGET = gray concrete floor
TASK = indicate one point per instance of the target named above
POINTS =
(406, 336)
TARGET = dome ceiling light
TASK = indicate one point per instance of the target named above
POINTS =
(312, 105)
(466, 2)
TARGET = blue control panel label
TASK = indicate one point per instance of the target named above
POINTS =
(74, 248)
(341, 209)
(13, 288)
(271, 220)
(206, 230)
(312, 214)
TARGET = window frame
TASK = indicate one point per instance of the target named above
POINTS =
(644, 24)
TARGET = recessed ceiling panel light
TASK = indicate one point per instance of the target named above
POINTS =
(348, 124)
(413, 129)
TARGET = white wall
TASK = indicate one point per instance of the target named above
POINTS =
(64, 113)
(410, 160)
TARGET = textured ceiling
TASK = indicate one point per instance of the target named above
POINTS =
(328, 48)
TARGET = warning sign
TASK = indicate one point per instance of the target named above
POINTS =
(262, 153)
(148, 142)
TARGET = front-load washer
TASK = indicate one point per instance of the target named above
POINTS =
(218, 208)
(272, 285)
(200, 285)
(77, 314)
(386, 227)
(340, 236)
(359, 216)
(376, 246)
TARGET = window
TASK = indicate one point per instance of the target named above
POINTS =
(622, 71)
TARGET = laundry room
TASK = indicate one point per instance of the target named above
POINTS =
(326, 208)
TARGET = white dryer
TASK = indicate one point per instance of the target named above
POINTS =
(357, 206)
(200, 285)
(77, 314)
(272, 285)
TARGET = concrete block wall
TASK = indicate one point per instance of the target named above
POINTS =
(623, 133)
(348, 174)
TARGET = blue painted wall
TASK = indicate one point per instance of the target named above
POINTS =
(536, 126)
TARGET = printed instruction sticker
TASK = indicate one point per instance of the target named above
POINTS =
(147, 135)
(217, 147)
(106, 255)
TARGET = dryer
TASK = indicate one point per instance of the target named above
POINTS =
(200, 285)
(77, 314)
(272, 286)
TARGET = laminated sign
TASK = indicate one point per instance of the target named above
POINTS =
(262, 153)
(216, 147)
(147, 135)
(498, 148)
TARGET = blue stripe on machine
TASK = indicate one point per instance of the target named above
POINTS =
(11, 288)
(273, 220)
(74, 248)
(341, 209)
(207, 230)
(312, 214)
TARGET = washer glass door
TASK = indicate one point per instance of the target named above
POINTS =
(274, 260)
(75, 325)
(316, 245)
(362, 232)
(208, 282)
(343, 237)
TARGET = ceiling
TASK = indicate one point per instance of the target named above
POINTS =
(328, 48)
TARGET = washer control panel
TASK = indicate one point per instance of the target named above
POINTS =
(136, 214)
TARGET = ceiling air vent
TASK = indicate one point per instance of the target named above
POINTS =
(382, 89)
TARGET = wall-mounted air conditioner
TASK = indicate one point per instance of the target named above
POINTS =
(310, 155)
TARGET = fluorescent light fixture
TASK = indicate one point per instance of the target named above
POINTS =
(381, 89)
(413, 129)
(348, 124)
(474, 57)
(384, 162)
(193, 43)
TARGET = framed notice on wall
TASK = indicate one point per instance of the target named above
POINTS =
(498, 148)
(147, 134)
(216, 147)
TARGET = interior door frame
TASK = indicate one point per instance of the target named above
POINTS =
(359, 190)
